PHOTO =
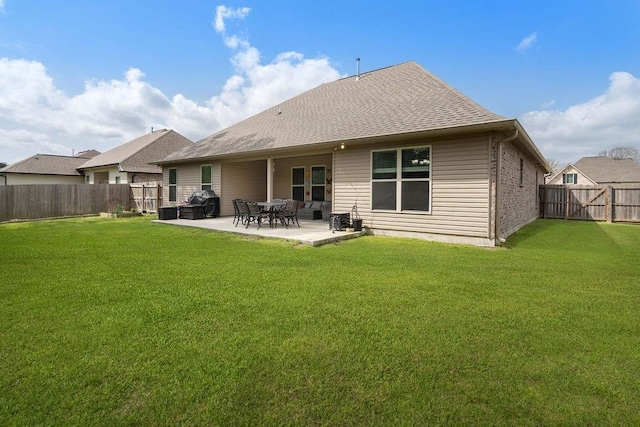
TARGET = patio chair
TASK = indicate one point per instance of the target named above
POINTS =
(278, 214)
(254, 214)
(291, 211)
(238, 215)
(243, 211)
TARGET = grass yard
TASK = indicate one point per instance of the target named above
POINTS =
(127, 322)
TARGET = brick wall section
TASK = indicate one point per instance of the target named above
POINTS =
(493, 178)
(518, 205)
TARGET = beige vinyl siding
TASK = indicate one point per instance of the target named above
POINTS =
(282, 175)
(242, 180)
(459, 182)
(19, 179)
(189, 180)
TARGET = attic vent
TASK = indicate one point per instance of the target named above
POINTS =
(357, 69)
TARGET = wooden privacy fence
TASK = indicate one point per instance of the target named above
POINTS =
(596, 203)
(147, 197)
(61, 200)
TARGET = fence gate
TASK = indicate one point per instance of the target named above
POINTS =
(596, 203)
(147, 197)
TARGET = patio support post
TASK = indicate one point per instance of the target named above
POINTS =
(271, 166)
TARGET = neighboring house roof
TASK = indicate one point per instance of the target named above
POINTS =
(607, 169)
(47, 164)
(397, 100)
(135, 155)
(88, 154)
(604, 170)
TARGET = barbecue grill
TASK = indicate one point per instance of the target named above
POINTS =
(208, 200)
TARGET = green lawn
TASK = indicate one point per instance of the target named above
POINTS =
(128, 322)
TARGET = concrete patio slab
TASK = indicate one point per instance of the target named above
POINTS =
(314, 233)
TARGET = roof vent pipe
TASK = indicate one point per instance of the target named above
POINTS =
(357, 69)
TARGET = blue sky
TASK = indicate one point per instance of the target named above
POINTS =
(82, 74)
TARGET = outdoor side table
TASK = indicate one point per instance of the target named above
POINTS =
(167, 212)
(191, 212)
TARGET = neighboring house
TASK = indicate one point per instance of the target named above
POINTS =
(46, 169)
(130, 163)
(417, 158)
(599, 171)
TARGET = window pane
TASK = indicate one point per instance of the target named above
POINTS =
(298, 193)
(384, 195)
(415, 163)
(385, 164)
(173, 176)
(206, 187)
(298, 176)
(317, 193)
(317, 175)
(172, 193)
(415, 196)
(206, 175)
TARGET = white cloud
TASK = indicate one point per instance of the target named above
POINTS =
(1, 5)
(527, 42)
(109, 113)
(255, 87)
(35, 142)
(607, 121)
(549, 104)
(223, 12)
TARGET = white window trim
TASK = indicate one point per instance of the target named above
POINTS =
(324, 184)
(574, 178)
(172, 185)
(399, 180)
(304, 177)
(206, 183)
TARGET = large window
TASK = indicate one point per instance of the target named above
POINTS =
(205, 177)
(318, 183)
(173, 185)
(297, 184)
(401, 179)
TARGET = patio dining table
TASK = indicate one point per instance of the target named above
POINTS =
(271, 208)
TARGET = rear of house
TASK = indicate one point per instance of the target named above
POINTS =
(406, 152)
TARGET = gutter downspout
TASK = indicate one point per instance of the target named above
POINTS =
(498, 178)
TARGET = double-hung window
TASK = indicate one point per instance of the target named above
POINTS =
(401, 179)
(318, 183)
(297, 183)
(205, 172)
(173, 184)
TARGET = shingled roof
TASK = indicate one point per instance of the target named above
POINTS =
(47, 164)
(396, 100)
(609, 170)
(135, 155)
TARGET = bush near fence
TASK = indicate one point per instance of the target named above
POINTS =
(61, 200)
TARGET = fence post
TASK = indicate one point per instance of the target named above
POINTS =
(609, 200)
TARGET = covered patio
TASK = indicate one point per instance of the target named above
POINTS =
(314, 233)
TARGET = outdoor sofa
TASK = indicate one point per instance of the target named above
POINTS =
(314, 210)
